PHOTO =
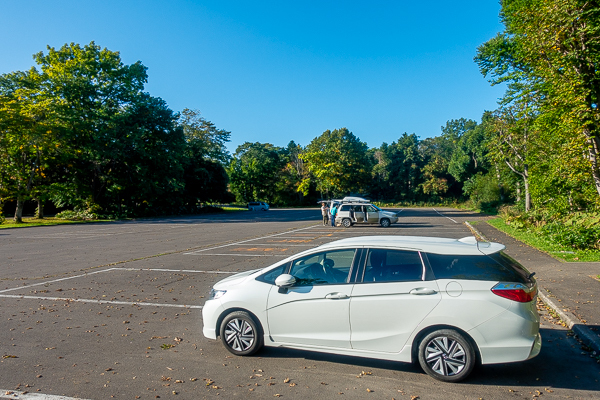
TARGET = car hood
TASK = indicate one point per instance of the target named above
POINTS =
(390, 214)
(234, 279)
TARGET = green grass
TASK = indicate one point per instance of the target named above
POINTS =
(234, 208)
(32, 221)
(535, 239)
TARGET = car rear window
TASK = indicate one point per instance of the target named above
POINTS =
(345, 208)
(494, 267)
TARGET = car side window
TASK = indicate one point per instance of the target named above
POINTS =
(371, 209)
(393, 266)
(496, 267)
(270, 276)
(328, 267)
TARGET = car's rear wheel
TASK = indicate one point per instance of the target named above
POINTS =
(346, 222)
(385, 222)
(446, 355)
(240, 334)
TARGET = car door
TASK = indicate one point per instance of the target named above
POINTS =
(359, 214)
(372, 215)
(392, 299)
(315, 310)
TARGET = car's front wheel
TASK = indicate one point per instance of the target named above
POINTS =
(385, 222)
(240, 334)
(346, 222)
(446, 355)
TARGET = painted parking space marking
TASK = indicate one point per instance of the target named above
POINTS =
(245, 241)
(274, 244)
(55, 280)
(109, 270)
(18, 395)
(125, 303)
(175, 270)
(445, 216)
(238, 255)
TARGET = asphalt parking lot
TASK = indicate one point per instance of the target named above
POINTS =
(104, 311)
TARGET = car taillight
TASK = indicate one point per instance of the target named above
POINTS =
(515, 291)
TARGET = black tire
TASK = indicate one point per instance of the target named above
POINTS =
(240, 334)
(346, 223)
(446, 355)
(385, 222)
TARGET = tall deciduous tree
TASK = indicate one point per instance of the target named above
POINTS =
(555, 46)
(255, 170)
(90, 89)
(338, 162)
(27, 140)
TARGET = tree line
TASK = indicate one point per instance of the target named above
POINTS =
(78, 130)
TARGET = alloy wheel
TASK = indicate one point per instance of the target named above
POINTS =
(239, 334)
(445, 356)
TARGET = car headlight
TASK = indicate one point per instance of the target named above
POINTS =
(215, 294)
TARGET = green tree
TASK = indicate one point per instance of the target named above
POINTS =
(338, 164)
(90, 89)
(27, 140)
(203, 160)
(404, 167)
(255, 170)
(553, 48)
(203, 138)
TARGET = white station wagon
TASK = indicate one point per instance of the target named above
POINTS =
(448, 304)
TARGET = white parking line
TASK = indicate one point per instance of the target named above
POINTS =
(246, 241)
(277, 244)
(175, 270)
(113, 269)
(239, 254)
(445, 216)
(16, 394)
(55, 280)
(126, 303)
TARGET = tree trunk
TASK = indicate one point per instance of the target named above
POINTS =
(594, 153)
(518, 191)
(526, 183)
(500, 189)
(40, 209)
(19, 211)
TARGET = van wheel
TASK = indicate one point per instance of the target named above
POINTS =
(346, 223)
(446, 355)
(385, 222)
(240, 334)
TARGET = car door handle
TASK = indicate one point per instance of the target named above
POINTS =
(422, 291)
(336, 296)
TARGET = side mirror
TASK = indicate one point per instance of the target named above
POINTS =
(285, 280)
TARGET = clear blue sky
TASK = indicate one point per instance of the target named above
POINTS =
(275, 71)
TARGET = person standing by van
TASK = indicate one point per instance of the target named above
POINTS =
(333, 213)
(325, 213)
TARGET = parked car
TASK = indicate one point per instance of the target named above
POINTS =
(448, 304)
(355, 210)
(258, 206)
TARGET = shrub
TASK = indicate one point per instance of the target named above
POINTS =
(76, 215)
(576, 236)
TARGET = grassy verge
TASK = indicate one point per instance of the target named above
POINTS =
(535, 239)
(234, 208)
(32, 221)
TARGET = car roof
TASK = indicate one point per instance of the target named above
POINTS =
(465, 246)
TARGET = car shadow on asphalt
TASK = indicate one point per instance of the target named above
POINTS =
(560, 365)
